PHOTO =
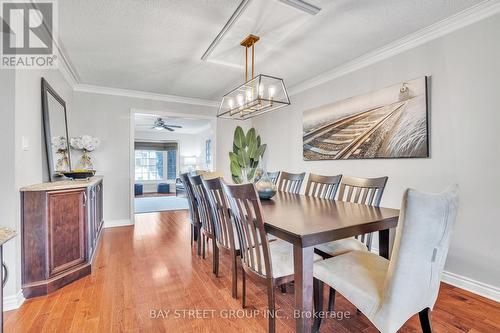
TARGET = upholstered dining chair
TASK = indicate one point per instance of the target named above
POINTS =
(193, 211)
(225, 231)
(268, 262)
(324, 187)
(207, 227)
(390, 292)
(274, 176)
(291, 182)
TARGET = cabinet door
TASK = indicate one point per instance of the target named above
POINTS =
(66, 232)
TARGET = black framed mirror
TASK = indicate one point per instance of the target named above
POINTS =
(55, 127)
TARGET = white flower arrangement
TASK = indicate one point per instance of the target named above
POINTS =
(85, 142)
(59, 143)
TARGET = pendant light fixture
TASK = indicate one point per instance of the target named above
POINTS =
(259, 94)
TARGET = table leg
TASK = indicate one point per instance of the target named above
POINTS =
(303, 266)
(383, 243)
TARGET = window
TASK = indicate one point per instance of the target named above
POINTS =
(208, 152)
(148, 165)
(171, 164)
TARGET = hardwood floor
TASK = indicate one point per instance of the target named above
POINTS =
(152, 267)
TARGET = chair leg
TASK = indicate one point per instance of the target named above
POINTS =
(192, 235)
(234, 272)
(283, 288)
(203, 246)
(318, 302)
(271, 305)
(198, 239)
(331, 299)
(425, 320)
(215, 258)
(244, 288)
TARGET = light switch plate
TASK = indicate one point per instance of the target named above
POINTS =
(25, 143)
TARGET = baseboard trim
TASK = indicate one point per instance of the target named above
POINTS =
(117, 223)
(475, 287)
(13, 302)
(462, 282)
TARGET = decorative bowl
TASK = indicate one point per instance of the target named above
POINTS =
(79, 174)
(266, 194)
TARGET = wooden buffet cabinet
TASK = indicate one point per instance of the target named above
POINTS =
(60, 229)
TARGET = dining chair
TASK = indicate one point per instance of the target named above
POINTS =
(389, 292)
(264, 261)
(324, 187)
(225, 232)
(290, 182)
(207, 228)
(274, 176)
(193, 211)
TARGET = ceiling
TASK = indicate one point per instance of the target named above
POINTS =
(156, 45)
(144, 123)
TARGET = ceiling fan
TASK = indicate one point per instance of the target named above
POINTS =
(159, 125)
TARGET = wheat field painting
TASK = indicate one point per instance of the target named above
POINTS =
(388, 123)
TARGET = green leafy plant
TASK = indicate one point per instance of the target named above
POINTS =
(247, 151)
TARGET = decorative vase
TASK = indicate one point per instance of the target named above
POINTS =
(85, 161)
(62, 164)
(264, 185)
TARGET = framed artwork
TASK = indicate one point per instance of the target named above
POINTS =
(388, 123)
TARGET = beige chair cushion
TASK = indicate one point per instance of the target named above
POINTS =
(342, 246)
(282, 258)
(358, 275)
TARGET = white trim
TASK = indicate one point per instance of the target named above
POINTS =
(13, 302)
(475, 287)
(467, 17)
(144, 95)
(460, 281)
(117, 223)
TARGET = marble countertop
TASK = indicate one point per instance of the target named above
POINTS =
(62, 185)
(6, 234)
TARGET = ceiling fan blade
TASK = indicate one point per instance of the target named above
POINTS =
(168, 128)
(174, 126)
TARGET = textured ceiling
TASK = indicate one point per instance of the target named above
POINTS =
(144, 122)
(156, 45)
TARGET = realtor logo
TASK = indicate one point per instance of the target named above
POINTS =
(28, 34)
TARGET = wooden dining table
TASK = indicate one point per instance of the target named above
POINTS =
(307, 221)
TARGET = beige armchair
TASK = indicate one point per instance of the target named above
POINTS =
(390, 292)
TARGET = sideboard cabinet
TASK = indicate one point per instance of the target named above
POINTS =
(60, 229)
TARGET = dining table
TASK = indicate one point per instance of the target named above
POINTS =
(307, 221)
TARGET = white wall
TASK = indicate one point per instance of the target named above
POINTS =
(464, 133)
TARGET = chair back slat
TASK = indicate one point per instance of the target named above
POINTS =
(351, 189)
(324, 187)
(274, 176)
(192, 205)
(223, 224)
(247, 211)
(366, 191)
(290, 182)
(204, 211)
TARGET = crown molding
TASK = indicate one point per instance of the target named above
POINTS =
(460, 20)
(143, 95)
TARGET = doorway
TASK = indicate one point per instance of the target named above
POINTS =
(163, 146)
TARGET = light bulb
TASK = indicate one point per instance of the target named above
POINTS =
(271, 91)
(240, 100)
(231, 103)
(261, 90)
(249, 95)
